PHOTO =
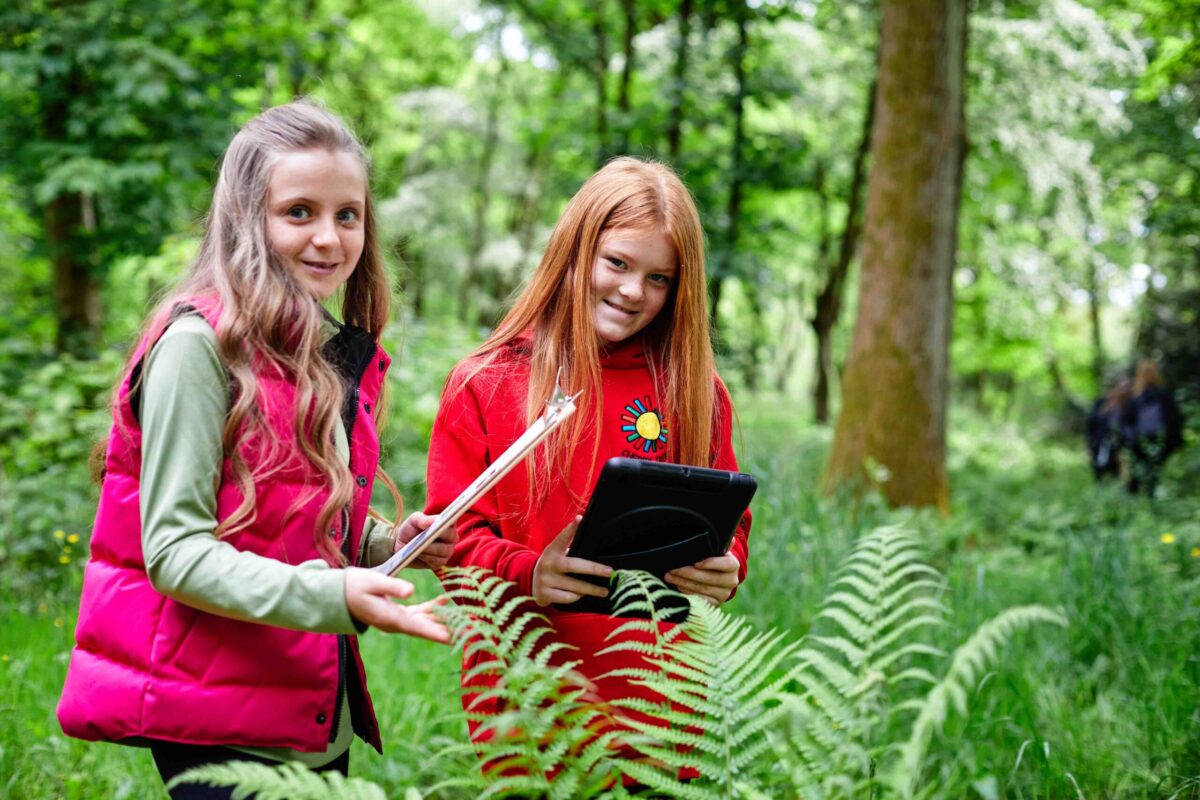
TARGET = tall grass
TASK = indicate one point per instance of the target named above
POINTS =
(1107, 707)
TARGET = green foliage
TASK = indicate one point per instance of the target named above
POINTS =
(721, 684)
(1107, 705)
(52, 414)
(289, 781)
(544, 742)
(726, 690)
(113, 101)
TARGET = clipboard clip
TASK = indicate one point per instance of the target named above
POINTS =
(559, 401)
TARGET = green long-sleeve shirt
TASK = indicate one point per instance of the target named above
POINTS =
(185, 398)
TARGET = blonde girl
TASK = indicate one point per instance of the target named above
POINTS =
(224, 592)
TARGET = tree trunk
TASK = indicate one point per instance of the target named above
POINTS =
(679, 81)
(482, 190)
(896, 380)
(829, 301)
(1094, 316)
(733, 210)
(76, 295)
(68, 218)
(600, 78)
(629, 13)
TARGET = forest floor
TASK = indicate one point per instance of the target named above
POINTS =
(1108, 706)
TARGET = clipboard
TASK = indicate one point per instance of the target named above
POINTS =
(558, 408)
(656, 517)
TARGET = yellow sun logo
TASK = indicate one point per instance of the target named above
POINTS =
(644, 426)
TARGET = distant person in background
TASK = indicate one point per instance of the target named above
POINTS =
(1105, 432)
(1155, 428)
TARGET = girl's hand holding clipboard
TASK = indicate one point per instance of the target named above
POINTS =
(434, 555)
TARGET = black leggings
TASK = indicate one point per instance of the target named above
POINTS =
(173, 759)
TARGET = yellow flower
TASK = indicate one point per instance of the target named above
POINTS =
(59, 622)
(64, 559)
(1196, 552)
(73, 538)
(59, 534)
(4, 658)
(1167, 538)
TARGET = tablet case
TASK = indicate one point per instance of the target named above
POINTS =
(655, 517)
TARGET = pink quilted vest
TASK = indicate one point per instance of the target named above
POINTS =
(147, 667)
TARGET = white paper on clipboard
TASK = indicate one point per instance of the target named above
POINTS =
(558, 408)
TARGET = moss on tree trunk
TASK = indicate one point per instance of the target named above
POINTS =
(895, 384)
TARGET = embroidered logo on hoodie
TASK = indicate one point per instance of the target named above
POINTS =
(643, 426)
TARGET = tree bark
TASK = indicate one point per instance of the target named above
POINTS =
(829, 301)
(482, 190)
(679, 81)
(733, 209)
(629, 14)
(68, 218)
(896, 381)
(600, 78)
(1094, 317)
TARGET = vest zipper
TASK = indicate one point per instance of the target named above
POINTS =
(341, 688)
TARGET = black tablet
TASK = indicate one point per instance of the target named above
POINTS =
(655, 517)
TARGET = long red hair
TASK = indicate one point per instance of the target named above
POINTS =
(557, 306)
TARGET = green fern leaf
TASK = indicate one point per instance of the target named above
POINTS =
(287, 781)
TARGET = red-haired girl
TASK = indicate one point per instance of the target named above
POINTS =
(618, 304)
(223, 592)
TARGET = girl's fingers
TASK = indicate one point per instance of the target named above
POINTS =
(703, 577)
(714, 592)
(581, 566)
(419, 623)
(436, 555)
(563, 540)
(578, 587)
(560, 596)
(725, 563)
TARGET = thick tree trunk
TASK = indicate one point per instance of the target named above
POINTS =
(896, 380)
(829, 301)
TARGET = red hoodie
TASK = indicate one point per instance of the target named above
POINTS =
(502, 532)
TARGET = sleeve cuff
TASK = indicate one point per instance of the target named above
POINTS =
(379, 542)
(340, 616)
(520, 569)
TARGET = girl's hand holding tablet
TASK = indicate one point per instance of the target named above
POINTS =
(714, 579)
(552, 579)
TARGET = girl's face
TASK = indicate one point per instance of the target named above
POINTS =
(631, 280)
(315, 205)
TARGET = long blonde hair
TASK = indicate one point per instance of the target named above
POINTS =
(268, 323)
(557, 307)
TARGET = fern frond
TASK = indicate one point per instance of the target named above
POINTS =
(287, 781)
(967, 665)
(721, 685)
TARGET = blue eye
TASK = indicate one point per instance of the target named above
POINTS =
(347, 215)
(616, 262)
(665, 280)
(299, 212)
